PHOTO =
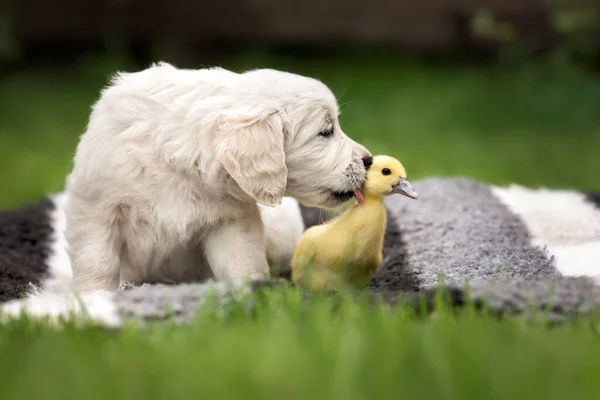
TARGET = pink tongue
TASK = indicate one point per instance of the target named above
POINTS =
(359, 196)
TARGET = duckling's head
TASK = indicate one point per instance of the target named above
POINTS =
(387, 176)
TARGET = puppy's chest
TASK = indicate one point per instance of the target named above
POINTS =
(186, 215)
(181, 214)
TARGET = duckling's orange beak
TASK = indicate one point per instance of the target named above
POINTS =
(405, 188)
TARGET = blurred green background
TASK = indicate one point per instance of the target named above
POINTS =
(514, 99)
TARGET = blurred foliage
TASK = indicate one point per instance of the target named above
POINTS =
(517, 123)
(576, 23)
(9, 46)
(485, 25)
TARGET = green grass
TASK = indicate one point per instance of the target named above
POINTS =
(287, 350)
(535, 126)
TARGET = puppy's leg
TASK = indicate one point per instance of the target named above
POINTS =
(283, 227)
(236, 250)
(94, 248)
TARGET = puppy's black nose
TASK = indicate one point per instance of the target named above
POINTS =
(367, 161)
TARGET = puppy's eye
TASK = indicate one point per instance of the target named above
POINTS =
(386, 171)
(326, 132)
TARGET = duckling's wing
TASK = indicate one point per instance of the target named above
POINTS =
(306, 251)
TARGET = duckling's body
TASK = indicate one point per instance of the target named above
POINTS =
(347, 250)
(350, 245)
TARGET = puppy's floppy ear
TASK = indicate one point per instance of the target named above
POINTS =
(251, 149)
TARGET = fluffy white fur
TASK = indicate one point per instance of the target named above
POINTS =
(283, 228)
(96, 307)
(563, 222)
(60, 272)
(169, 175)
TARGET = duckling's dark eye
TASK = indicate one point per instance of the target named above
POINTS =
(386, 171)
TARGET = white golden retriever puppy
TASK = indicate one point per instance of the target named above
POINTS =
(169, 175)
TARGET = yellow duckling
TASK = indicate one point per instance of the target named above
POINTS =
(347, 250)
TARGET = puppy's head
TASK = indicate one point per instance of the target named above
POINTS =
(282, 137)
